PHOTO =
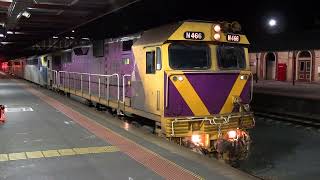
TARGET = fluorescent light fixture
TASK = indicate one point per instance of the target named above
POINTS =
(24, 13)
(72, 37)
(5, 43)
(9, 32)
(55, 37)
(1, 35)
(85, 39)
(73, 31)
(67, 38)
(17, 32)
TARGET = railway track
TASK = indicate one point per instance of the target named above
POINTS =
(299, 119)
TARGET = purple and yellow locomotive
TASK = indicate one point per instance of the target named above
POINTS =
(197, 80)
(192, 78)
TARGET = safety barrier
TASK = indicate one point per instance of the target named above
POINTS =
(68, 80)
(53, 75)
(98, 85)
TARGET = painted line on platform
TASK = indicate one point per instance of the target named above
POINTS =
(57, 153)
(151, 160)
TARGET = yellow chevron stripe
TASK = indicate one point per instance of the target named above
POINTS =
(190, 96)
(235, 92)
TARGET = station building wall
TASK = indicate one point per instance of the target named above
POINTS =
(306, 65)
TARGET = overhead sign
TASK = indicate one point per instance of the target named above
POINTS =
(233, 37)
(194, 35)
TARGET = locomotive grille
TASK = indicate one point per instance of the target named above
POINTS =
(182, 129)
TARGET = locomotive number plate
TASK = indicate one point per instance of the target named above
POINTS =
(194, 35)
(233, 37)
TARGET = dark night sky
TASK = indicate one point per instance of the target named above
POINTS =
(298, 22)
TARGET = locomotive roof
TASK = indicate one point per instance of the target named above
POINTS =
(176, 31)
(157, 35)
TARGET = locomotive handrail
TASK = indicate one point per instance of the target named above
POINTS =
(55, 76)
(124, 87)
(89, 82)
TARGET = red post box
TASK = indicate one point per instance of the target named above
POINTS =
(2, 115)
(282, 72)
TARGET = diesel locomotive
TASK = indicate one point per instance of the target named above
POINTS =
(191, 78)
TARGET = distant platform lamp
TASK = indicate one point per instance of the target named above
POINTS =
(257, 60)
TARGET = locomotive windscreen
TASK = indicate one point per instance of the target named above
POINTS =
(189, 56)
(230, 57)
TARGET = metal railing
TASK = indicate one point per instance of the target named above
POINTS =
(124, 87)
(53, 76)
(68, 80)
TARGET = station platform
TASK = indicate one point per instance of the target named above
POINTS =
(49, 136)
(304, 90)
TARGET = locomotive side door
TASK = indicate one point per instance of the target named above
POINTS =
(153, 80)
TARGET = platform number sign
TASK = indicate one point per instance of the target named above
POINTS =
(194, 35)
(233, 37)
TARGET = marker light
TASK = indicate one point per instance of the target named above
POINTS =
(196, 139)
(180, 78)
(217, 36)
(232, 134)
(217, 28)
(243, 77)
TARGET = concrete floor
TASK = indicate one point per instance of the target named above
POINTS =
(48, 129)
(34, 144)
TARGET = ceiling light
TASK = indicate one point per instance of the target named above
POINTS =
(55, 37)
(26, 14)
(4, 42)
(9, 32)
(1, 35)
(17, 32)
(73, 31)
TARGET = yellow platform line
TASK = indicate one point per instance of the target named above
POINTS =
(56, 153)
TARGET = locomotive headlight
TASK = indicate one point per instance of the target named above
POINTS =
(196, 139)
(217, 28)
(180, 78)
(217, 36)
(232, 134)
